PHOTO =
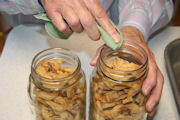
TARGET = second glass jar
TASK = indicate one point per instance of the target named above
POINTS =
(116, 84)
(57, 86)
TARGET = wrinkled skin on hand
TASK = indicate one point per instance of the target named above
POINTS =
(153, 84)
(76, 15)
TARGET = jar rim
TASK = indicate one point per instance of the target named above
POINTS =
(64, 79)
(122, 76)
(124, 43)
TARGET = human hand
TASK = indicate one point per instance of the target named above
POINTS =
(153, 84)
(76, 15)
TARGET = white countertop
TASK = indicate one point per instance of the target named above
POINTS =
(24, 42)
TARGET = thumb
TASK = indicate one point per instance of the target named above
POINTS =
(95, 59)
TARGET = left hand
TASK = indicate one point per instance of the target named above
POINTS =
(153, 83)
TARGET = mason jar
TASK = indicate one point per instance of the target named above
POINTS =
(116, 84)
(57, 86)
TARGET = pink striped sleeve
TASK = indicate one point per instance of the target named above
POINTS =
(146, 15)
(20, 6)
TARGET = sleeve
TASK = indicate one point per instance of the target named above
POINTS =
(26, 7)
(146, 15)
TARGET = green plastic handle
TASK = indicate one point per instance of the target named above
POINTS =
(42, 16)
(108, 40)
(55, 33)
(50, 28)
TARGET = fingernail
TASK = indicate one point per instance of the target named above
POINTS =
(116, 38)
(152, 113)
(147, 90)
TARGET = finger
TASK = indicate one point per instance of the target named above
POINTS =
(86, 19)
(95, 59)
(58, 21)
(151, 79)
(156, 93)
(70, 16)
(102, 18)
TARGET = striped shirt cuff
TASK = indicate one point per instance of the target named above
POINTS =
(28, 7)
(38, 5)
(137, 18)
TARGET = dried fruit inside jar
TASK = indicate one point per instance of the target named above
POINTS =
(116, 87)
(57, 90)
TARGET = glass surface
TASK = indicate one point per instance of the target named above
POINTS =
(115, 94)
(58, 99)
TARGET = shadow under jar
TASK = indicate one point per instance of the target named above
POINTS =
(57, 86)
(116, 84)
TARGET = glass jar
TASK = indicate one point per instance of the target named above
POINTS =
(116, 84)
(53, 97)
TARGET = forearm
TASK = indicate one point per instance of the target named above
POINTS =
(26, 7)
(145, 15)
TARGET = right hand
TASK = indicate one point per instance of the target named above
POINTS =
(79, 15)
(153, 84)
